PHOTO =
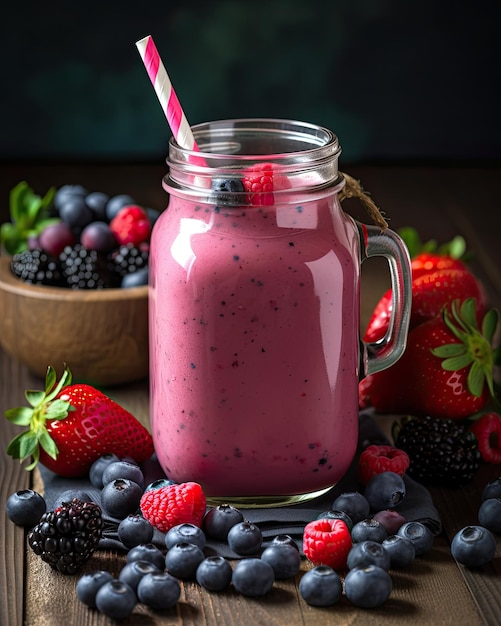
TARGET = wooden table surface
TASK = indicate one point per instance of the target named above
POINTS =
(440, 202)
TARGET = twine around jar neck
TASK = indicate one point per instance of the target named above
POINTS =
(353, 189)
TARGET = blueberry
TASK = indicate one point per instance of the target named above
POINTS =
(153, 215)
(385, 491)
(158, 484)
(492, 489)
(116, 203)
(121, 497)
(135, 279)
(159, 590)
(68, 191)
(321, 586)
(224, 190)
(473, 546)
(284, 559)
(74, 212)
(25, 507)
(98, 236)
(420, 535)
(134, 530)
(69, 494)
(401, 551)
(282, 540)
(245, 538)
(147, 552)
(89, 584)
(335, 514)
(97, 468)
(253, 577)
(354, 504)
(185, 533)
(116, 599)
(368, 553)
(391, 520)
(367, 587)
(218, 521)
(131, 573)
(97, 201)
(183, 559)
(214, 573)
(489, 514)
(123, 469)
(368, 530)
(55, 237)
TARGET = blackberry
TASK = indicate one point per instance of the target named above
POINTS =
(37, 268)
(83, 268)
(128, 259)
(66, 537)
(442, 452)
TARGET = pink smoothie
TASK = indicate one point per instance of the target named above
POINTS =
(254, 349)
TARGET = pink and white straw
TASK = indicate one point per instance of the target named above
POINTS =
(166, 94)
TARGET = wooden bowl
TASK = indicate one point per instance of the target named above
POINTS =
(102, 335)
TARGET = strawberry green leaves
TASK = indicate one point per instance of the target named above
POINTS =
(455, 248)
(474, 349)
(29, 216)
(44, 406)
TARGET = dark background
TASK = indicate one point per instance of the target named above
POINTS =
(395, 79)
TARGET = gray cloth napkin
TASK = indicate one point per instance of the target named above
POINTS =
(290, 520)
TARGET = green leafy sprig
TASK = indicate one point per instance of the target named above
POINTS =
(44, 406)
(29, 214)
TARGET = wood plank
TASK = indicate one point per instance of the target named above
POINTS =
(14, 478)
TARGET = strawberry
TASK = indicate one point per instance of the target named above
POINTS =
(446, 370)
(131, 225)
(437, 278)
(376, 459)
(327, 542)
(487, 430)
(260, 180)
(429, 262)
(183, 503)
(430, 292)
(70, 426)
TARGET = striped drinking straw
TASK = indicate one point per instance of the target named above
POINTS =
(166, 94)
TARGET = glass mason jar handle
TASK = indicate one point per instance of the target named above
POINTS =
(381, 354)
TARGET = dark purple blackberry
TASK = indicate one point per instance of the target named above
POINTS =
(128, 258)
(66, 537)
(442, 452)
(84, 269)
(37, 268)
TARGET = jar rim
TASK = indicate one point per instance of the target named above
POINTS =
(226, 139)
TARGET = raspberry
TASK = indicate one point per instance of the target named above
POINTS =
(327, 542)
(169, 506)
(376, 459)
(487, 430)
(260, 180)
(131, 225)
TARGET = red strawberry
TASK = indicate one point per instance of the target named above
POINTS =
(131, 225)
(169, 506)
(376, 459)
(327, 542)
(446, 370)
(70, 426)
(429, 262)
(260, 180)
(487, 430)
(430, 292)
